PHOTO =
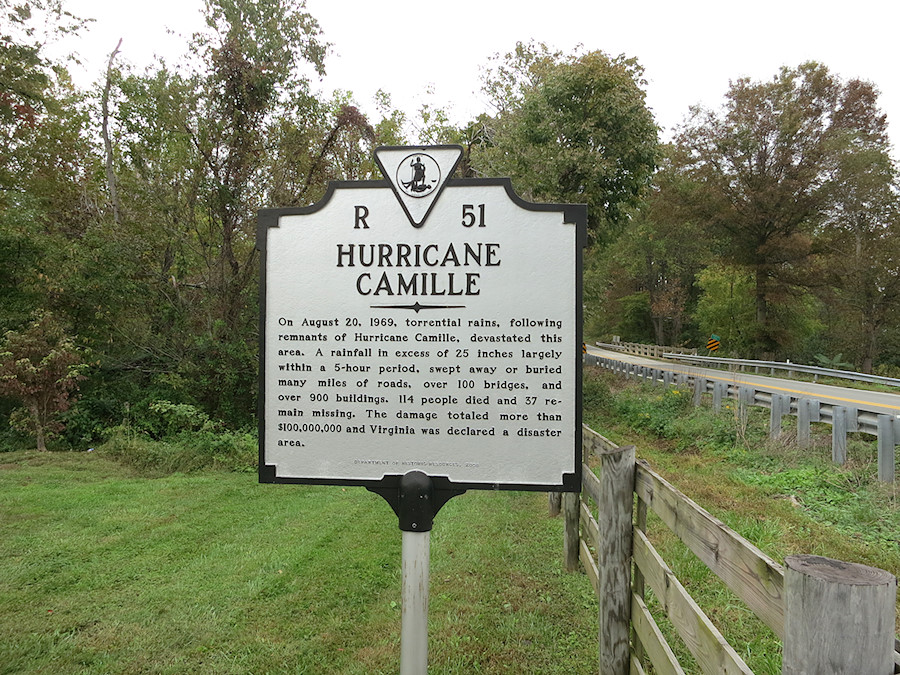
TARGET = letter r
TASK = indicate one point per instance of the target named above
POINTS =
(362, 212)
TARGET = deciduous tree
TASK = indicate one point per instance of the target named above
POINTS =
(571, 129)
(762, 164)
(40, 368)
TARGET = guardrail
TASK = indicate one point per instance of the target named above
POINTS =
(642, 349)
(832, 616)
(843, 419)
(772, 366)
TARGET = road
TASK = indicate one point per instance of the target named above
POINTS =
(871, 401)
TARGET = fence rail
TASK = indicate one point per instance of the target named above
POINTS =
(843, 419)
(844, 633)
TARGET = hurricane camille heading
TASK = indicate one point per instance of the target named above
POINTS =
(446, 282)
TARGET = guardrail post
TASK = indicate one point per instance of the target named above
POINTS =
(807, 411)
(776, 412)
(720, 391)
(616, 508)
(746, 398)
(838, 618)
(699, 389)
(843, 420)
(667, 378)
(887, 440)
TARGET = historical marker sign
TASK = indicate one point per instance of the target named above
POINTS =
(421, 323)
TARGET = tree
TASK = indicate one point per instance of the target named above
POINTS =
(40, 367)
(660, 254)
(762, 166)
(197, 150)
(48, 198)
(572, 129)
(859, 245)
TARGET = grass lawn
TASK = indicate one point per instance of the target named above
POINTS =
(104, 571)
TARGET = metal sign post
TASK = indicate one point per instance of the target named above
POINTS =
(415, 560)
(416, 500)
(421, 336)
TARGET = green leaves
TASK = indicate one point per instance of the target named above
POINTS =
(571, 129)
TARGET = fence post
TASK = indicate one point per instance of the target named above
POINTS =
(838, 618)
(554, 503)
(571, 507)
(614, 550)
(638, 582)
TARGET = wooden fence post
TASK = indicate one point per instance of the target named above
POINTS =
(614, 558)
(554, 503)
(571, 508)
(838, 618)
(638, 582)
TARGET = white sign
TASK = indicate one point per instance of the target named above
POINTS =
(421, 324)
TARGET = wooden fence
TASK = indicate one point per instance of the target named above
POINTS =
(832, 617)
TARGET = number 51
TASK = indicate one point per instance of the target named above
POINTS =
(468, 215)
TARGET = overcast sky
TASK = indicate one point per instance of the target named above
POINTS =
(689, 49)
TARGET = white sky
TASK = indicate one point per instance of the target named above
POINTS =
(690, 49)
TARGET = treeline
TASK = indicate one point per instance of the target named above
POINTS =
(127, 211)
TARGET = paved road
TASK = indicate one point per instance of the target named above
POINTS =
(874, 401)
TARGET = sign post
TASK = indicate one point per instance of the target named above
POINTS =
(421, 336)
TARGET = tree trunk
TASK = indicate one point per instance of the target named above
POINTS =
(764, 346)
(659, 332)
(870, 339)
(107, 143)
(39, 436)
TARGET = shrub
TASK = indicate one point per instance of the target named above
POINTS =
(185, 452)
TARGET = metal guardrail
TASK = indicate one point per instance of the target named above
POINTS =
(843, 419)
(642, 349)
(815, 371)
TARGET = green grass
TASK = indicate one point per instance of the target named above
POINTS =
(105, 571)
(110, 563)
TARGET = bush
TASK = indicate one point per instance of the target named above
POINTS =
(184, 452)
(657, 414)
(168, 437)
(595, 392)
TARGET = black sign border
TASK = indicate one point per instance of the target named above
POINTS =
(573, 214)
